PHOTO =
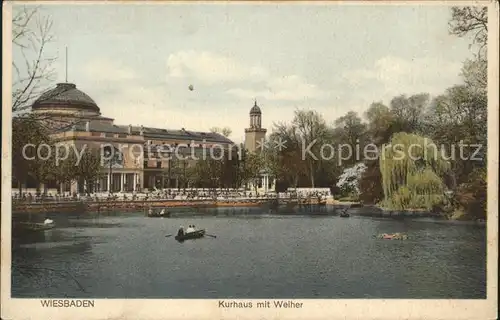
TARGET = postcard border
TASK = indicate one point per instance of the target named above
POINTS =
(313, 309)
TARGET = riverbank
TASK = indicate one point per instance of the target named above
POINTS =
(285, 205)
(130, 205)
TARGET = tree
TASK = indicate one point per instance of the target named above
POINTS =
(370, 184)
(412, 174)
(408, 112)
(309, 128)
(471, 196)
(226, 131)
(88, 170)
(473, 21)
(254, 164)
(349, 180)
(286, 164)
(63, 170)
(380, 119)
(32, 68)
(349, 131)
(460, 116)
(28, 137)
(380, 128)
(475, 75)
(183, 173)
(351, 128)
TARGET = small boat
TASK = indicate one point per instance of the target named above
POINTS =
(161, 214)
(345, 214)
(394, 236)
(191, 235)
(34, 227)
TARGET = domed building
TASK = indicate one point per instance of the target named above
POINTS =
(65, 98)
(65, 105)
(76, 120)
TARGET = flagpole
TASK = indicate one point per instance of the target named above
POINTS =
(66, 64)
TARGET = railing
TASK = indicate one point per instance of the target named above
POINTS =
(171, 194)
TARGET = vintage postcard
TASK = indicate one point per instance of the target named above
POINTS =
(250, 160)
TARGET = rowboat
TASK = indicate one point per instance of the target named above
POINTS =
(33, 226)
(157, 215)
(344, 213)
(152, 214)
(191, 235)
(394, 236)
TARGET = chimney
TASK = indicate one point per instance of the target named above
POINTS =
(87, 126)
(129, 129)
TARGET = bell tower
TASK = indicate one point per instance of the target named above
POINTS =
(255, 133)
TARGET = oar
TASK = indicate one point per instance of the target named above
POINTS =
(210, 235)
(168, 235)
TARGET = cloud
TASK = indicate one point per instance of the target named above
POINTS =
(210, 67)
(251, 81)
(286, 88)
(104, 70)
(391, 76)
(224, 93)
(152, 106)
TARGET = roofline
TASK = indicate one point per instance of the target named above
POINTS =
(69, 104)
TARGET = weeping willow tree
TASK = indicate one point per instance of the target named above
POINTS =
(412, 168)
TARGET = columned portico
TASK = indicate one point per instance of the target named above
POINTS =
(265, 184)
(122, 181)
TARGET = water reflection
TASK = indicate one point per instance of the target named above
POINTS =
(256, 254)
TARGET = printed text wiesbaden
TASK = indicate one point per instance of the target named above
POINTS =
(67, 303)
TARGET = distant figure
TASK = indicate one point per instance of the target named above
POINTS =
(162, 212)
(190, 229)
(180, 233)
(150, 212)
(191, 88)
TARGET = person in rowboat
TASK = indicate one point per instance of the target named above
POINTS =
(162, 212)
(181, 231)
(190, 229)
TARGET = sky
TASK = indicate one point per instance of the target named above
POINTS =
(137, 61)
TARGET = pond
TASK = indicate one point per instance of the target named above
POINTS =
(254, 255)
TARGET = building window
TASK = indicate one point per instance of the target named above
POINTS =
(95, 134)
(146, 164)
(158, 164)
(110, 135)
(122, 135)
